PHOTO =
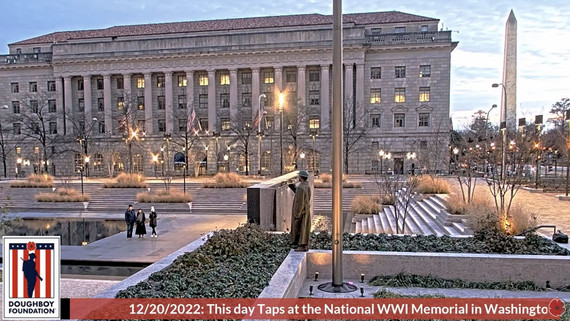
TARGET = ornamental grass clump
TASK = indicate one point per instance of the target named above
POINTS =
(325, 181)
(231, 264)
(63, 195)
(226, 180)
(35, 180)
(365, 204)
(126, 180)
(432, 185)
(164, 197)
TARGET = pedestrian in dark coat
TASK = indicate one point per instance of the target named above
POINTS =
(130, 218)
(152, 221)
(141, 228)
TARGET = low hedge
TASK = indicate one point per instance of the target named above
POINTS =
(164, 197)
(231, 264)
(490, 243)
(63, 195)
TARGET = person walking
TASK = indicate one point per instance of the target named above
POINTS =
(141, 228)
(152, 221)
(301, 214)
(130, 218)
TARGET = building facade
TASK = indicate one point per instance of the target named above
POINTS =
(151, 98)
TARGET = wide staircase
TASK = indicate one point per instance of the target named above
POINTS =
(427, 216)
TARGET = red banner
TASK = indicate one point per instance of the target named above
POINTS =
(346, 309)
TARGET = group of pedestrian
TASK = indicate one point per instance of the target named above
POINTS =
(138, 220)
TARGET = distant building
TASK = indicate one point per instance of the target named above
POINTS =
(124, 96)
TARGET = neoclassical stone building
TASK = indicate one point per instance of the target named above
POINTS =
(148, 97)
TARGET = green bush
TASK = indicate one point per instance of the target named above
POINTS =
(231, 264)
(489, 242)
(35, 180)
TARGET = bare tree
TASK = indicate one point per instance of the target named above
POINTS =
(354, 129)
(8, 142)
(38, 121)
(399, 189)
(242, 132)
(296, 122)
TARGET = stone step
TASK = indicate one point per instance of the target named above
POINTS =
(358, 227)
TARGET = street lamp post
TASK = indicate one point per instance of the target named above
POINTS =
(503, 130)
(167, 138)
(302, 155)
(456, 153)
(260, 111)
(18, 166)
(217, 137)
(154, 161)
(281, 101)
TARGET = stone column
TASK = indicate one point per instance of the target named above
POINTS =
(348, 88)
(68, 106)
(212, 115)
(149, 120)
(255, 88)
(301, 96)
(59, 104)
(88, 104)
(107, 103)
(168, 99)
(360, 94)
(234, 99)
(190, 89)
(129, 97)
(325, 98)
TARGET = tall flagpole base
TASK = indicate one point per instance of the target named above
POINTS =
(344, 288)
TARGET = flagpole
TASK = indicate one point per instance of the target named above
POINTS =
(259, 117)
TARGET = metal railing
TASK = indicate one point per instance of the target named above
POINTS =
(409, 37)
(26, 58)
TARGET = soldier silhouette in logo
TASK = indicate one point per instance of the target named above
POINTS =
(30, 273)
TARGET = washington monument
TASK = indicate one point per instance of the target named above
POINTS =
(509, 85)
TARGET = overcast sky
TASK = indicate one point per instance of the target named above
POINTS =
(479, 25)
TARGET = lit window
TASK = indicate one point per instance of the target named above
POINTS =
(375, 73)
(375, 120)
(424, 94)
(182, 81)
(314, 122)
(36, 150)
(18, 150)
(120, 103)
(400, 120)
(160, 81)
(314, 97)
(314, 75)
(98, 162)
(225, 124)
(423, 120)
(425, 71)
(203, 79)
(268, 77)
(225, 100)
(375, 96)
(224, 79)
(400, 71)
(33, 87)
(15, 87)
(140, 82)
(400, 95)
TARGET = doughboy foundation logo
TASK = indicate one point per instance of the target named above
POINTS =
(31, 273)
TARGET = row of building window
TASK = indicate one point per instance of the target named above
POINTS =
(399, 95)
(400, 120)
(268, 78)
(400, 72)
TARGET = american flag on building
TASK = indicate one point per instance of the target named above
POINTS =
(44, 265)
